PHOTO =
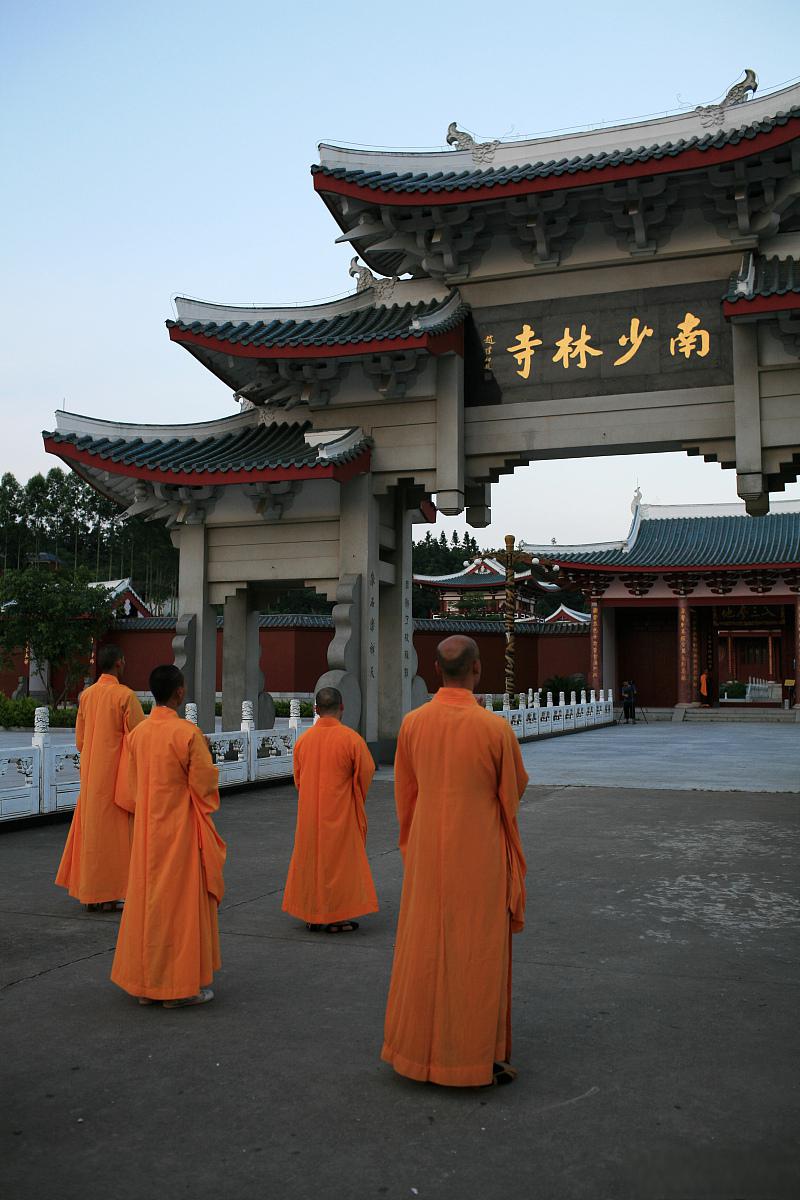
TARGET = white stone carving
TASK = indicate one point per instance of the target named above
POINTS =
(488, 701)
(482, 152)
(41, 720)
(191, 713)
(294, 714)
(713, 115)
(383, 288)
(248, 720)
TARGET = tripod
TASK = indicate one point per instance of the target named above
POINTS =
(637, 708)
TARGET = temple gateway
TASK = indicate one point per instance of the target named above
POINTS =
(628, 289)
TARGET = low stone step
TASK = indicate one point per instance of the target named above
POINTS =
(726, 715)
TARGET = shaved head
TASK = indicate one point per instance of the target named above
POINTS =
(456, 656)
(328, 701)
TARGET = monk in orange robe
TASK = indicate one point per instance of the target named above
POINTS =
(168, 944)
(94, 865)
(458, 782)
(329, 881)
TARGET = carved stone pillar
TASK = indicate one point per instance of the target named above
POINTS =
(595, 647)
(400, 688)
(195, 643)
(684, 652)
(695, 670)
(242, 678)
(344, 651)
(359, 560)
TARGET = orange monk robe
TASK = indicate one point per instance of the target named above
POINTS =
(168, 945)
(458, 782)
(94, 865)
(329, 877)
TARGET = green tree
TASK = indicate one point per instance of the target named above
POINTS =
(56, 615)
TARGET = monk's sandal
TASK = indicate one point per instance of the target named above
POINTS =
(202, 997)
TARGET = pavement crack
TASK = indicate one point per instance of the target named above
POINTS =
(58, 967)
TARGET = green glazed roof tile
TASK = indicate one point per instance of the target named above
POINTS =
(491, 177)
(366, 324)
(257, 447)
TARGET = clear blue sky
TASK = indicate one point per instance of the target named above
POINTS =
(149, 150)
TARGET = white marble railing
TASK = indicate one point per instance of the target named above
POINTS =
(44, 777)
(531, 719)
(760, 691)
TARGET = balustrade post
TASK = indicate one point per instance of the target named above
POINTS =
(41, 741)
(191, 713)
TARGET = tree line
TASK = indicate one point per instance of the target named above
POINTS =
(58, 514)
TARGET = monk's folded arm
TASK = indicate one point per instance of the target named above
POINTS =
(80, 727)
(134, 713)
(203, 776)
(405, 791)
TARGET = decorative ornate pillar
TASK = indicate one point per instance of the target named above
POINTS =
(195, 642)
(595, 646)
(400, 687)
(509, 612)
(684, 652)
(695, 676)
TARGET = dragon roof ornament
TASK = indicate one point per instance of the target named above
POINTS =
(714, 114)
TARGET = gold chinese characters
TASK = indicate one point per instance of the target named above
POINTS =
(690, 340)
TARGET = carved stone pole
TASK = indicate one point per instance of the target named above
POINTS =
(595, 646)
(684, 652)
(509, 612)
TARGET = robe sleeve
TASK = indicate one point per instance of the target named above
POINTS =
(125, 793)
(134, 714)
(363, 770)
(513, 780)
(80, 726)
(125, 790)
(405, 789)
(203, 778)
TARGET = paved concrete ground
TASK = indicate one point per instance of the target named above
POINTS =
(734, 757)
(655, 1023)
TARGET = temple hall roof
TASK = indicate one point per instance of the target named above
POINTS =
(114, 456)
(683, 142)
(693, 536)
(763, 285)
(338, 328)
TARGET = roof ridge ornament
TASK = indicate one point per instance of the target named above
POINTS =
(482, 152)
(714, 114)
(384, 288)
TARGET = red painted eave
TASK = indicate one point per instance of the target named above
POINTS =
(338, 471)
(435, 343)
(616, 570)
(687, 160)
(760, 304)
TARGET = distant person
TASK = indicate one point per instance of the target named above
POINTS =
(168, 945)
(94, 865)
(329, 881)
(705, 689)
(458, 782)
(629, 701)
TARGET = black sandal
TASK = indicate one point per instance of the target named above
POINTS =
(502, 1073)
(341, 927)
